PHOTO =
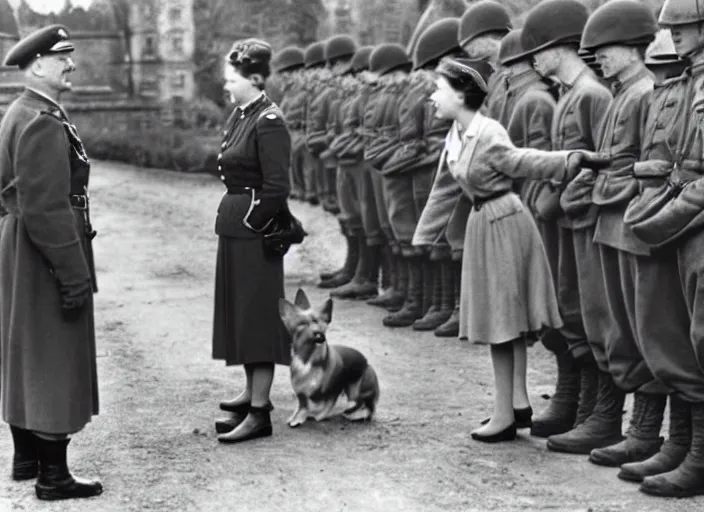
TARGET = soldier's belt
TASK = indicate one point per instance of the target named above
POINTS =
(79, 202)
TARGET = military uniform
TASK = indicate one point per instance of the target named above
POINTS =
(47, 333)
(318, 124)
(671, 222)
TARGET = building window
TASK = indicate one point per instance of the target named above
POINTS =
(149, 48)
(177, 44)
(179, 80)
(175, 14)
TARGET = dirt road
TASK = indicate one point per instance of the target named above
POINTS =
(154, 446)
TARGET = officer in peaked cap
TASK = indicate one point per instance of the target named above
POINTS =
(53, 39)
(553, 48)
(49, 389)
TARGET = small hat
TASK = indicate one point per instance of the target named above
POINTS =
(46, 40)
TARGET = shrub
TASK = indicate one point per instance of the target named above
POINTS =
(178, 150)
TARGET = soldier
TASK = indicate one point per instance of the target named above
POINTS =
(354, 183)
(578, 115)
(662, 59)
(668, 216)
(481, 29)
(314, 61)
(618, 34)
(287, 65)
(390, 63)
(47, 339)
(437, 41)
(590, 60)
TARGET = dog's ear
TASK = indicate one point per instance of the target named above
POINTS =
(301, 299)
(287, 311)
(326, 311)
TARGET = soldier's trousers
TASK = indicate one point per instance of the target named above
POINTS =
(592, 294)
(568, 295)
(552, 339)
(627, 332)
(298, 163)
(367, 205)
(312, 174)
(348, 195)
(405, 196)
(329, 183)
(382, 213)
(688, 377)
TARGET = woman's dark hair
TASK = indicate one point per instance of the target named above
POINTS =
(463, 77)
(251, 57)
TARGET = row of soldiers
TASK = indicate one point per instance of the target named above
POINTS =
(624, 244)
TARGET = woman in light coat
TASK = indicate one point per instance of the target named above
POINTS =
(507, 290)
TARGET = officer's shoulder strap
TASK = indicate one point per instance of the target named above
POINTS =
(271, 112)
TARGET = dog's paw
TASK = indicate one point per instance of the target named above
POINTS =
(297, 420)
(358, 414)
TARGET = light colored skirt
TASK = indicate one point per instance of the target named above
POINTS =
(507, 286)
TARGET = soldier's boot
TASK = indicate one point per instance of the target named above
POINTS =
(560, 414)
(412, 308)
(672, 453)
(393, 298)
(429, 278)
(364, 283)
(389, 278)
(442, 303)
(325, 276)
(588, 388)
(451, 327)
(55, 481)
(601, 428)
(334, 203)
(348, 269)
(688, 478)
(643, 438)
(25, 461)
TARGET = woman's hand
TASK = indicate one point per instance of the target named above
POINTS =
(577, 160)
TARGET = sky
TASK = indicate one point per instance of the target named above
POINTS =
(47, 6)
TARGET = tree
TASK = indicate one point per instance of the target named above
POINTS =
(303, 21)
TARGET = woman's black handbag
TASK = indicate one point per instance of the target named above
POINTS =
(283, 231)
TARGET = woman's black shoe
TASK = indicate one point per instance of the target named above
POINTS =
(257, 424)
(234, 406)
(225, 425)
(507, 434)
(55, 481)
(523, 417)
(25, 463)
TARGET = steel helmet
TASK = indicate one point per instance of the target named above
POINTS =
(482, 18)
(315, 55)
(681, 12)
(436, 41)
(626, 22)
(339, 47)
(288, 59)
(540, 30)
(389, 57)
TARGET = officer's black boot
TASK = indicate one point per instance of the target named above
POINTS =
(688, 478)
(411, 310)
(560, 414)
(325, 276)
(55, 481)
(643, 438)
(348, 269)
(443, 300)
(25, 461)
(364, 283)
(672, 452)
(451, 327)
(601, 428)
(393, 298)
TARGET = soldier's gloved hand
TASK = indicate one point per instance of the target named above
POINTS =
(73, 300)
(652, 169)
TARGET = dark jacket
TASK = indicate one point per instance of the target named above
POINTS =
(48, 366)
(256, 152)
(387, 141)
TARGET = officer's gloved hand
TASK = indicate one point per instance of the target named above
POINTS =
(73, 300)
(652, 169)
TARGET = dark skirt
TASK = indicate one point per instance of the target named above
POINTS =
(247, 327)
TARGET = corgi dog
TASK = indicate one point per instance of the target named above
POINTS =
(321, 372)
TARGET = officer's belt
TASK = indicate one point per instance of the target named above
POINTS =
(79, 201)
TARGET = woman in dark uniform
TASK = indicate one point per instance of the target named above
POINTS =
(253, 165)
